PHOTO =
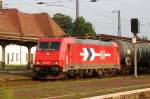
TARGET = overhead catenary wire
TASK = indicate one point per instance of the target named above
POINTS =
(99, 14)
(125, 21)
(60, 1)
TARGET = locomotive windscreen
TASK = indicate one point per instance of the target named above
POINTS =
(49, 46)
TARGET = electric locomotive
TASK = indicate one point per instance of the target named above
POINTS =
(71, 57)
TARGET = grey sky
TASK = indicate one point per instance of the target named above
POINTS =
(99, 13)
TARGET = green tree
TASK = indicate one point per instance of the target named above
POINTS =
(85, 28)
(65, 22)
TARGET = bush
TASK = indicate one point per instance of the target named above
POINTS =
(6, 93)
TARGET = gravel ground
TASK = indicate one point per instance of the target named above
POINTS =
(20, 86)
(73, 89)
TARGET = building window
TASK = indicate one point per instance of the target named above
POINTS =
(12, 57)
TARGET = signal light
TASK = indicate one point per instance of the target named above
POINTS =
(134, 25)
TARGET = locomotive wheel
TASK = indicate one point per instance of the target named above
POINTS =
(85, 73)
(76, 75)
(99, 74)
(90, 73)
(71, 74)
(65, 76)
(80, 74)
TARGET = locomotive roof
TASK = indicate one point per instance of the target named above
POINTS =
(91, 41)
(81, 41)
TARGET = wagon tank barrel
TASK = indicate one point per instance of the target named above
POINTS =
(126, 48)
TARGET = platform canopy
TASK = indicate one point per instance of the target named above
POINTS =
(16, 25)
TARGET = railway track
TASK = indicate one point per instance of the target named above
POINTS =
(75, 88)
(20, 83)
(24, 78)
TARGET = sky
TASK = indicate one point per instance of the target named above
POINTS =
(99, 13)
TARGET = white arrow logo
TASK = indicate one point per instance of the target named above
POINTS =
(90, 54)
(85, 54)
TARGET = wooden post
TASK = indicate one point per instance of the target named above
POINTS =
(29, 58)
(3, 55)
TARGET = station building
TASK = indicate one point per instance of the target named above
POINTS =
(17, 55)
(19, 33)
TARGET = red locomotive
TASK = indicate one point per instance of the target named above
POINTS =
(74, 58)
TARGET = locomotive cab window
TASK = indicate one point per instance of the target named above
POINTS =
(49, 46)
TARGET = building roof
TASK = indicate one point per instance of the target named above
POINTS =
(15, 24)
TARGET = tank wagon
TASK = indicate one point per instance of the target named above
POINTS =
(77, 58)
(126, 50)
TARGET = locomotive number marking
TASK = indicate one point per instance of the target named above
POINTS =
(90, 54)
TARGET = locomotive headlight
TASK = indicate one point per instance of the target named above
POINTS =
(56, 63)
(37, 62)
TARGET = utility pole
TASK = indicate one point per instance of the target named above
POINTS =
(119, 24)
(119, 21)
(77, 18)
